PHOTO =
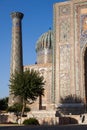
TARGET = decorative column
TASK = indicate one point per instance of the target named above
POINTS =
(16, 49)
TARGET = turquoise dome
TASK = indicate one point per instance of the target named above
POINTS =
(45, 41)
(44, 48)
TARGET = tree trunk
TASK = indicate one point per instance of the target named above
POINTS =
(24, 105)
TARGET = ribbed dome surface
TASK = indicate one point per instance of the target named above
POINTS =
(44, 48)
(45, 41)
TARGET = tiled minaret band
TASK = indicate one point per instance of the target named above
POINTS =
(16, 50)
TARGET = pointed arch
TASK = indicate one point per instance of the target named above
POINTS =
(84, 71)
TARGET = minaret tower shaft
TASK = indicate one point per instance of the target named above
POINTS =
(16, 48)
(16, 54)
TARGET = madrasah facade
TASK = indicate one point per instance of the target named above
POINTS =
(61, 56)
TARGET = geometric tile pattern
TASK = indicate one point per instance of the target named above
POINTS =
(65, 30)
(83, 30)
(16, 59)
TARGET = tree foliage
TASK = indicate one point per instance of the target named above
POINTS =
(17, 107)
(71, 99)
(31, 121)
(4, 103)
(28, 85)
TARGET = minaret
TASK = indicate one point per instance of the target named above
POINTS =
(16, 50)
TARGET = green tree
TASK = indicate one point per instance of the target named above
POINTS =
(28, 85)
(4, 103)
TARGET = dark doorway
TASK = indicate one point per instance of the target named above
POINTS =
(85, 74)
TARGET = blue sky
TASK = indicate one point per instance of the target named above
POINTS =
(38, 18)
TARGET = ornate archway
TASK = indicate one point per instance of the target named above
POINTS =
(85, 73)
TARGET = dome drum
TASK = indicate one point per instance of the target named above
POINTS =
(44, 56)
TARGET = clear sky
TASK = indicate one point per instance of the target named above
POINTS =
(38, 18)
